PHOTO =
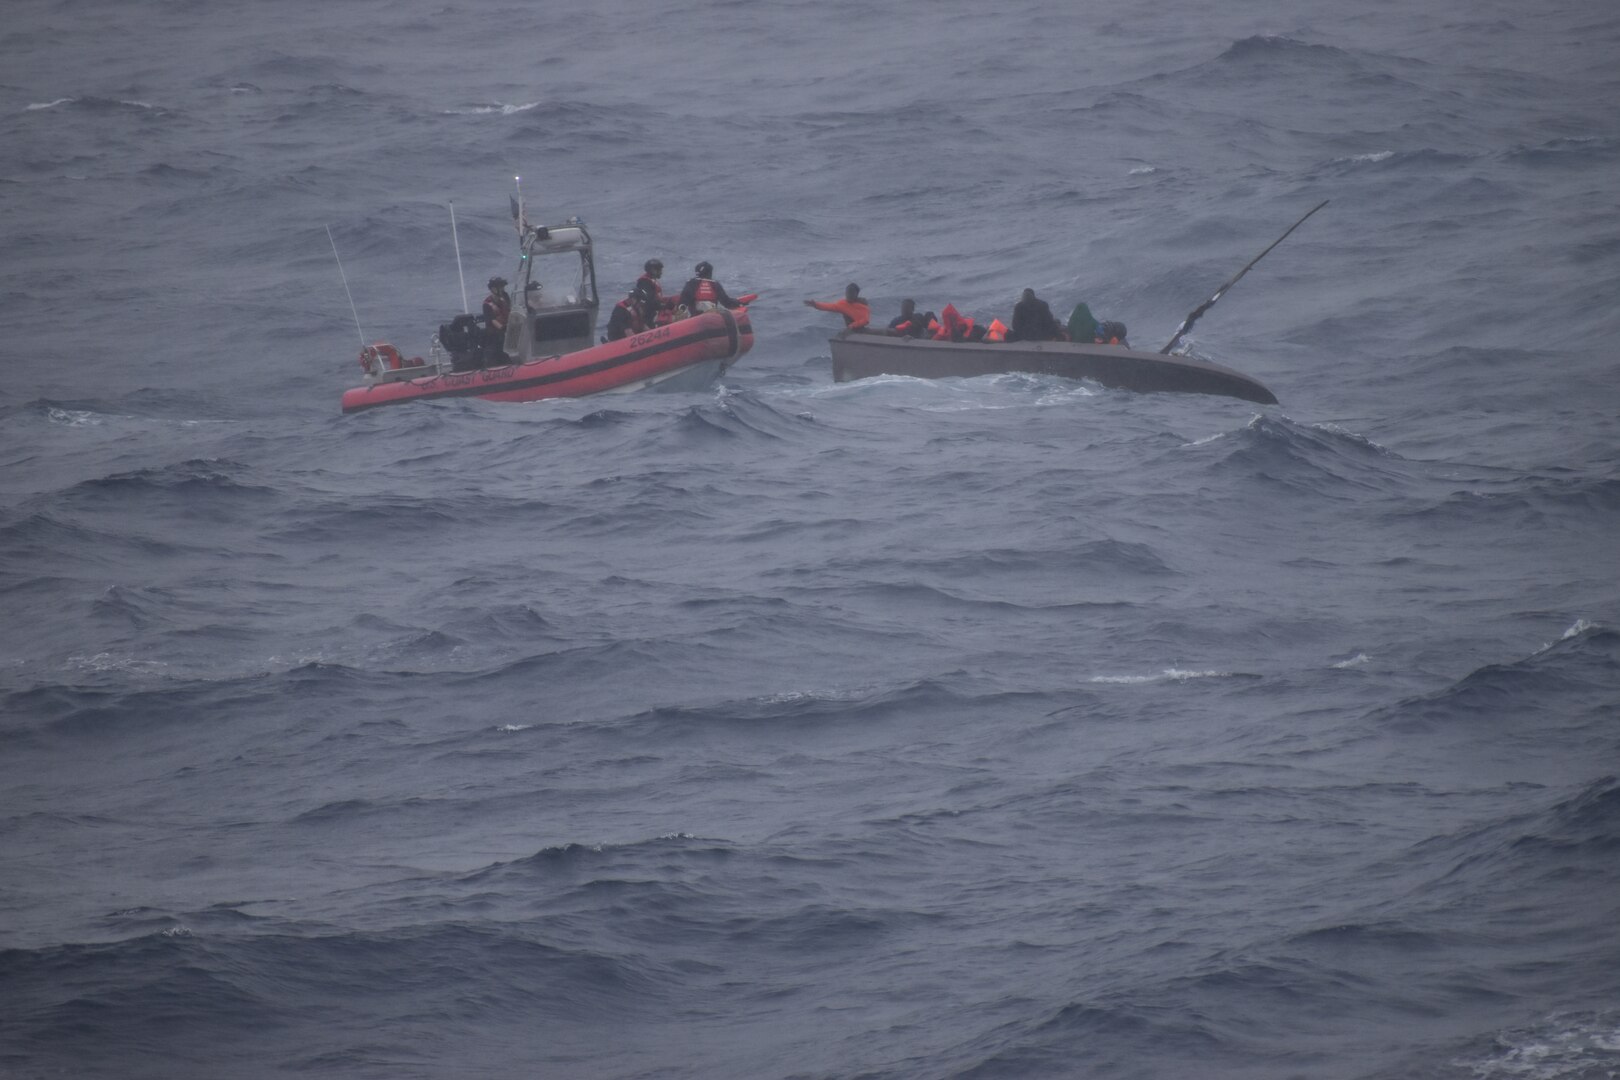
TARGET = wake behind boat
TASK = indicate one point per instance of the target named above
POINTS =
(861, 354)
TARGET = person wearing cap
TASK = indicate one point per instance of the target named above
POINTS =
(703, 293)
(649, 295)
(497, 309)
(853, 307)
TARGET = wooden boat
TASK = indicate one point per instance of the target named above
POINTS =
(861, 354)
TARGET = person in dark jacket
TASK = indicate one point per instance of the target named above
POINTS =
(910, 322)
(1033, 320)
(497, 310)
(703, 293)
(649, 295)
(625, 319)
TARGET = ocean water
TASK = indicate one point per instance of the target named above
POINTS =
(1002, 727)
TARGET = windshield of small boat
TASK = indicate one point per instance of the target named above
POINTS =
(565, 276)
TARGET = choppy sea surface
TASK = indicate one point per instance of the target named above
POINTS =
(1000, 727)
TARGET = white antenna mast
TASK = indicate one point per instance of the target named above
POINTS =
(465, 310)
(350, 295)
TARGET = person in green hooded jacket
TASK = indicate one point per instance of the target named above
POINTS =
(1082, 323)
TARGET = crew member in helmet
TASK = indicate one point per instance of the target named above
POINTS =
(853, 307)
(703, 293)
(497, 310)
(649, 295)
(625, 319)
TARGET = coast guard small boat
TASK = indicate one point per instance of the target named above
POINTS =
(549, 349)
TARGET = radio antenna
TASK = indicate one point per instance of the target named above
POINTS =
(350, 295)
(459, 273)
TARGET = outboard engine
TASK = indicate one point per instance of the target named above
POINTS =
(463, 339)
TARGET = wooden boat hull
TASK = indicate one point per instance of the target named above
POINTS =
(863, 354)
(685, 354)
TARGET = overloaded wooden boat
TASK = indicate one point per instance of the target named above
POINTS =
(861, 354)
(549, 350)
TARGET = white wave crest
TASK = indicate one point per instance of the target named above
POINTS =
(485, 110)
(1570, 1045)
(1576, 629)
(1355, 661)
(49, 104)
(1167, 675)
(1365, 159)
(109, 662)
(73, 417)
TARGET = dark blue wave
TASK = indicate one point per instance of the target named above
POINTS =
(1318, 461)
(1568, 684)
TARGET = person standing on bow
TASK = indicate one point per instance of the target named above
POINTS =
(497, 310)
(703, 293)
(853, 307)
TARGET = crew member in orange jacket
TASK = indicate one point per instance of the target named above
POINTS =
(853, 307)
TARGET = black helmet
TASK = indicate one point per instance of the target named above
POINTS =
(652, 264)
(495, 281)
(704, 269)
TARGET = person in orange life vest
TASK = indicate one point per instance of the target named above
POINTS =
(953, 325)
(649, 296)
(853, 307)
(497, 309)
(910, 322)
(626, 319)
(996, 331)
(703, 293)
